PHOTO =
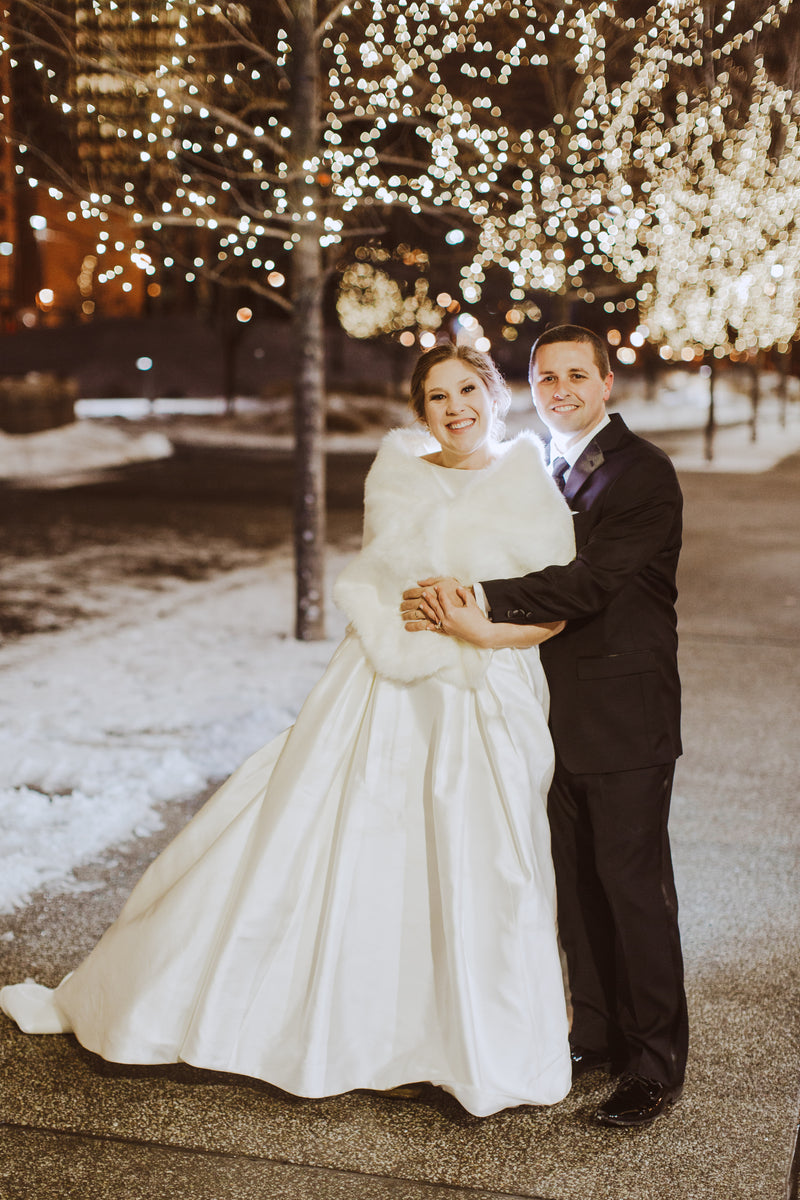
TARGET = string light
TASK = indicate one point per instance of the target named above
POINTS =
(723, 247)
(370, 302)
(665, 174)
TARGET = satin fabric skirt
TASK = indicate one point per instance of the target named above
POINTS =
(368, 901)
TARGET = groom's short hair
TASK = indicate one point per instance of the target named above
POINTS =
(573, 333)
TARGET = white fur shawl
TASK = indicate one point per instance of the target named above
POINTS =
(500, 522)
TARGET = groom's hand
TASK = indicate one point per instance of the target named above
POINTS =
(463, 618)
(422, 606)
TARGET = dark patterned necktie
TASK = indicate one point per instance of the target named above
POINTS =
(558, 470)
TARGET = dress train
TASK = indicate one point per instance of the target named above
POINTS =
(368, 901)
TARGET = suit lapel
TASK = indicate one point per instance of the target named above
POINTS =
(594, 455)
(589, 461)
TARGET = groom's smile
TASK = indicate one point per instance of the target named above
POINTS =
(568, 390)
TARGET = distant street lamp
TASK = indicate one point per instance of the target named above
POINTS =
(144, 364)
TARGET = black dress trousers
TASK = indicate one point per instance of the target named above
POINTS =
(618, 917)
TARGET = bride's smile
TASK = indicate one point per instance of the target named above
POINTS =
(460, 413)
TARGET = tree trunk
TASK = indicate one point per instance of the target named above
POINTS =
(308, 334)
(563, 307)
(755, 398)
(231, 338)
(783, 384)
(711, 420)
(650, 379)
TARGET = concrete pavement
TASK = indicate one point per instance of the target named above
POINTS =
(76, 1126)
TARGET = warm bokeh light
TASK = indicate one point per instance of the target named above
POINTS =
(675, 171)
(370, 302)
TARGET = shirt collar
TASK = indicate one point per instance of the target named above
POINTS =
(572, 453)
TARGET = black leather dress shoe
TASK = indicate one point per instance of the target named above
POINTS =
(636, 1102)
(585, 1060)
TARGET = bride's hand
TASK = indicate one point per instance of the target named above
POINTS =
(421, 607)
(547, 629)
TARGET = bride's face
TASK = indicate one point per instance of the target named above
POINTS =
(459, 413)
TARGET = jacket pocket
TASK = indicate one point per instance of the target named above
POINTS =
(609, 666)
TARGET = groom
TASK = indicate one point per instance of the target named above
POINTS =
(615, 720)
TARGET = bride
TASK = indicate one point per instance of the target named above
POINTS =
(369, 900)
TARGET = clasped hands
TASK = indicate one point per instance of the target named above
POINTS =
(443, 605)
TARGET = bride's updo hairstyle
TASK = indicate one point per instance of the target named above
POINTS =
(483, 366)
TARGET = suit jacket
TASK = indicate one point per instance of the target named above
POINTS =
(613, 672)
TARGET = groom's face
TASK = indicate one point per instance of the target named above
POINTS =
(569, 392)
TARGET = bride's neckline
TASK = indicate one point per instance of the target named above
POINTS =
(501, 453)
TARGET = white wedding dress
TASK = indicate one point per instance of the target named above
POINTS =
(368, 901)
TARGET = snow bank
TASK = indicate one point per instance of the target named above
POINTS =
(69, 452)
(102, 723)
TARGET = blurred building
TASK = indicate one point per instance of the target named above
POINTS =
(117, 108)
(66, 257)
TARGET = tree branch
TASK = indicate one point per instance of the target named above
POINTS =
(335, 12)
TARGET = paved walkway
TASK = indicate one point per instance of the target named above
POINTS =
(75, 1126)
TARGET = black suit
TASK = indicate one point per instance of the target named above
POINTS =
(615, 719)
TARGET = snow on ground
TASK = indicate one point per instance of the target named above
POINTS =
(66, 454)
(101, 723)
(733, 446)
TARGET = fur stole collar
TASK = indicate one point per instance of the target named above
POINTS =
(421, 520)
